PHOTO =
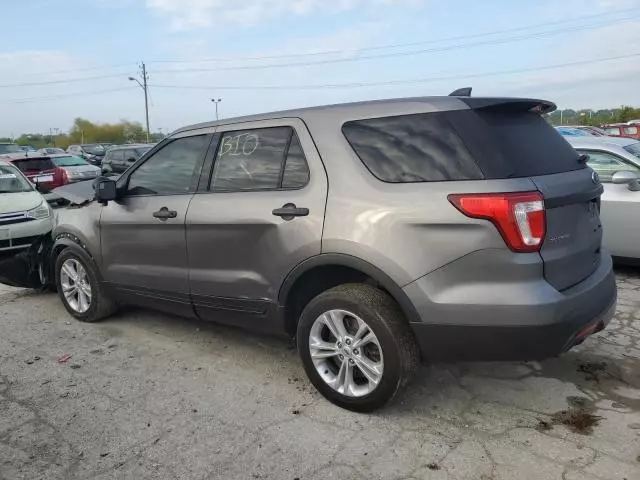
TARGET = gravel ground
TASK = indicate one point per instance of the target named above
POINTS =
(145, 395)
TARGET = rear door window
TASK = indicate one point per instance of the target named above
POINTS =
(260, 159)
(460, 145)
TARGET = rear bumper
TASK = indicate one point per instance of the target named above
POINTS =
(516, 320)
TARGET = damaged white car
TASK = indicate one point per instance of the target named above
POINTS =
(24, 214)
(26, 219)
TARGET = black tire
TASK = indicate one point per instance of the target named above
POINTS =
(383, 315)
(101, 305)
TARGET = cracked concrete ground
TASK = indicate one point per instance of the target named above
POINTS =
(145, 395)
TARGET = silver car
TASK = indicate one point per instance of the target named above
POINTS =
(617, 161)
(374, 233)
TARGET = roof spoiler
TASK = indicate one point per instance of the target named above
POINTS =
(461, 92)
(510, 104)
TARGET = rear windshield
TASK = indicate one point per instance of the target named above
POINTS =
(460, 145)
(94, 149)
(633, 149)
(69, 161)
(30, 165)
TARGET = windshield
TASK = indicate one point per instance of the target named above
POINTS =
(12, 181)
(10, 148)
(94, 149)
(633, 149)
(69, 161)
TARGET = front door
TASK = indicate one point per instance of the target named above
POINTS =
(619, 205)
(143, 232)
(259, 216)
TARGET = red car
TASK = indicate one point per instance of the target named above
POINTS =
(53, 171)
(622, 130)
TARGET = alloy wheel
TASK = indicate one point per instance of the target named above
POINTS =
(346, 353)
(75, 285)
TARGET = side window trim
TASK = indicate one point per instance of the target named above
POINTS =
(285, 154)
(163, 144)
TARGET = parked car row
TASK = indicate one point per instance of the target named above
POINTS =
(625, 130)
(52, 171)
(118, 158)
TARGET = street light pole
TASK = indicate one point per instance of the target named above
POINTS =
(216, 101)
(145, 88)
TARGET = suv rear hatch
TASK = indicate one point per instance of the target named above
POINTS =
(40, 170)
(512, 140)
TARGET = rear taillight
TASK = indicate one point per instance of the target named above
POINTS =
(519, 217)
(64, 175)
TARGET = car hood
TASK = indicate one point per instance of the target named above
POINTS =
(19, 201)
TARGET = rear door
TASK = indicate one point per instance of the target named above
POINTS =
(260, 215)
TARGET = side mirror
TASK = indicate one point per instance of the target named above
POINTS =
(628, 178)
(105, 189)
(624, 177)
(131, 160)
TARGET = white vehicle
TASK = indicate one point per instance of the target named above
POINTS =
(24, 214)
(617, 161)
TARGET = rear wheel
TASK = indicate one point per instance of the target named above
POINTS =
(356, 346)
(81, 292)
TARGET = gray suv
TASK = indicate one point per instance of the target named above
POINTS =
(376, 233)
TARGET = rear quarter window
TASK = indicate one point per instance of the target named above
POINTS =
(460, 145)
(411, 148)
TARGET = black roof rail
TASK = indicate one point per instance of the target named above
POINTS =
(461, 92)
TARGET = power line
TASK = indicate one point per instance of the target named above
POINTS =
(64, 95)
(331, 86)
(392, 54)
(54, 82)
(396, 82)
(399, 45)
(330, 61)
(87, 69)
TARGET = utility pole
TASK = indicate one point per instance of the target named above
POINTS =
(145, 88)
(216, 101)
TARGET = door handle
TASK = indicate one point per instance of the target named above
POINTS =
(164, 213)
(289, 211)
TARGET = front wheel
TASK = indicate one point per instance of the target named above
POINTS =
(356, 346)
(81, 292)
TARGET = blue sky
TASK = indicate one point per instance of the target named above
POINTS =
(81, 52)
